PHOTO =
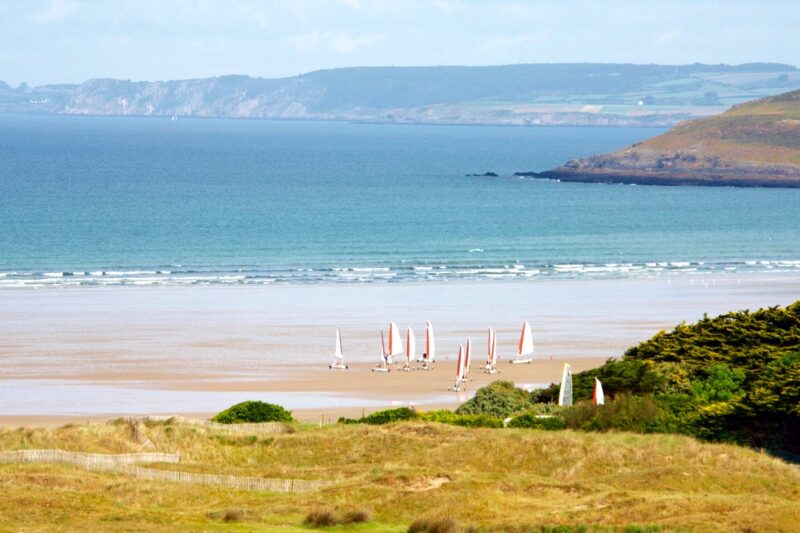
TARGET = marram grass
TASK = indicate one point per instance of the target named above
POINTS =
(398, 474)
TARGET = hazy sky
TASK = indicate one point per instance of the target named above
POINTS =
(46, 41)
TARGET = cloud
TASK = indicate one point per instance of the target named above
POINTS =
(341, 42)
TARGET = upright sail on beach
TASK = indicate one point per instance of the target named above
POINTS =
(430, 347)
(459, 370)
(598, 398)
(525, 346)
(565, 392)
(491, 355)
(395, 343)
(395, 348)
(411, 349)
(467, 357)
(338, 356)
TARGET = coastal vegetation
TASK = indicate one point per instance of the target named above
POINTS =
(253, 412)
(733, 378)
(752, 144)
(507, 459)
(403, 473)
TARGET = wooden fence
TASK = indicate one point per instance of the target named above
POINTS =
(126, 464)
(265, 427)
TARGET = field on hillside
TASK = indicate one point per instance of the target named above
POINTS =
(490, 479)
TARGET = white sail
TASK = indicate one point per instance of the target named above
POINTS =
(430, 343)
(597, 396)
(337, 352)
(411, 348)
(338, 357)
(525, 340)
(395, 342)
(565, 393)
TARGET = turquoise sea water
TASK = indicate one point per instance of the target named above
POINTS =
(146, 201)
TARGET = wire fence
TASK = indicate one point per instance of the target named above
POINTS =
(126, 464)
(264, 427)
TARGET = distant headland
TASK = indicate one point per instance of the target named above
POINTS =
(557, 94)
(755, 144)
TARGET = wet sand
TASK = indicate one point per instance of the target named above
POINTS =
(73, 354)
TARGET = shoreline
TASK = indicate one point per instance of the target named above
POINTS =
(691, 178)
(78, 353)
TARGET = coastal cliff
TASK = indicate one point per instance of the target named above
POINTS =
(755, 144)
(583, 94)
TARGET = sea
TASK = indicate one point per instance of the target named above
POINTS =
(127, 201)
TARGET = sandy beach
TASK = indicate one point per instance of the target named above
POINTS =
(95, 353)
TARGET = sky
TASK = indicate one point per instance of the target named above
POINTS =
(69, 41)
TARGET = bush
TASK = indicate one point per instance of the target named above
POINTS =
(320, 518)
(631, 376)
(499, 399)
(534, 421)
(442, 525)
(444, 416)
(623, 413)
(253, 412)
(355, 517)
(383, 417)
(233, 515)
(326, 518)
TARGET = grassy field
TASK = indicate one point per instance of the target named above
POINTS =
(490, 479)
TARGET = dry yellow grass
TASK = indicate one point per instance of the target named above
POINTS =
(492, 479)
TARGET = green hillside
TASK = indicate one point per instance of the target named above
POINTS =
(527, 94)
(752, 144)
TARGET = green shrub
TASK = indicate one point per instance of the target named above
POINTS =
(499, 399)
(629, 376)
(534, 421)
(359, 516)
(625, 412)
(449, 417)
(390, 415)
(253, 412)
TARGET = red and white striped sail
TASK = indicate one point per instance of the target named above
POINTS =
(430, 343)
(411, 349)
(490, 348)
(491, 356)
(459, 369)
(598, 398)
(467, 357)
(395, 341)
(525, 340)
